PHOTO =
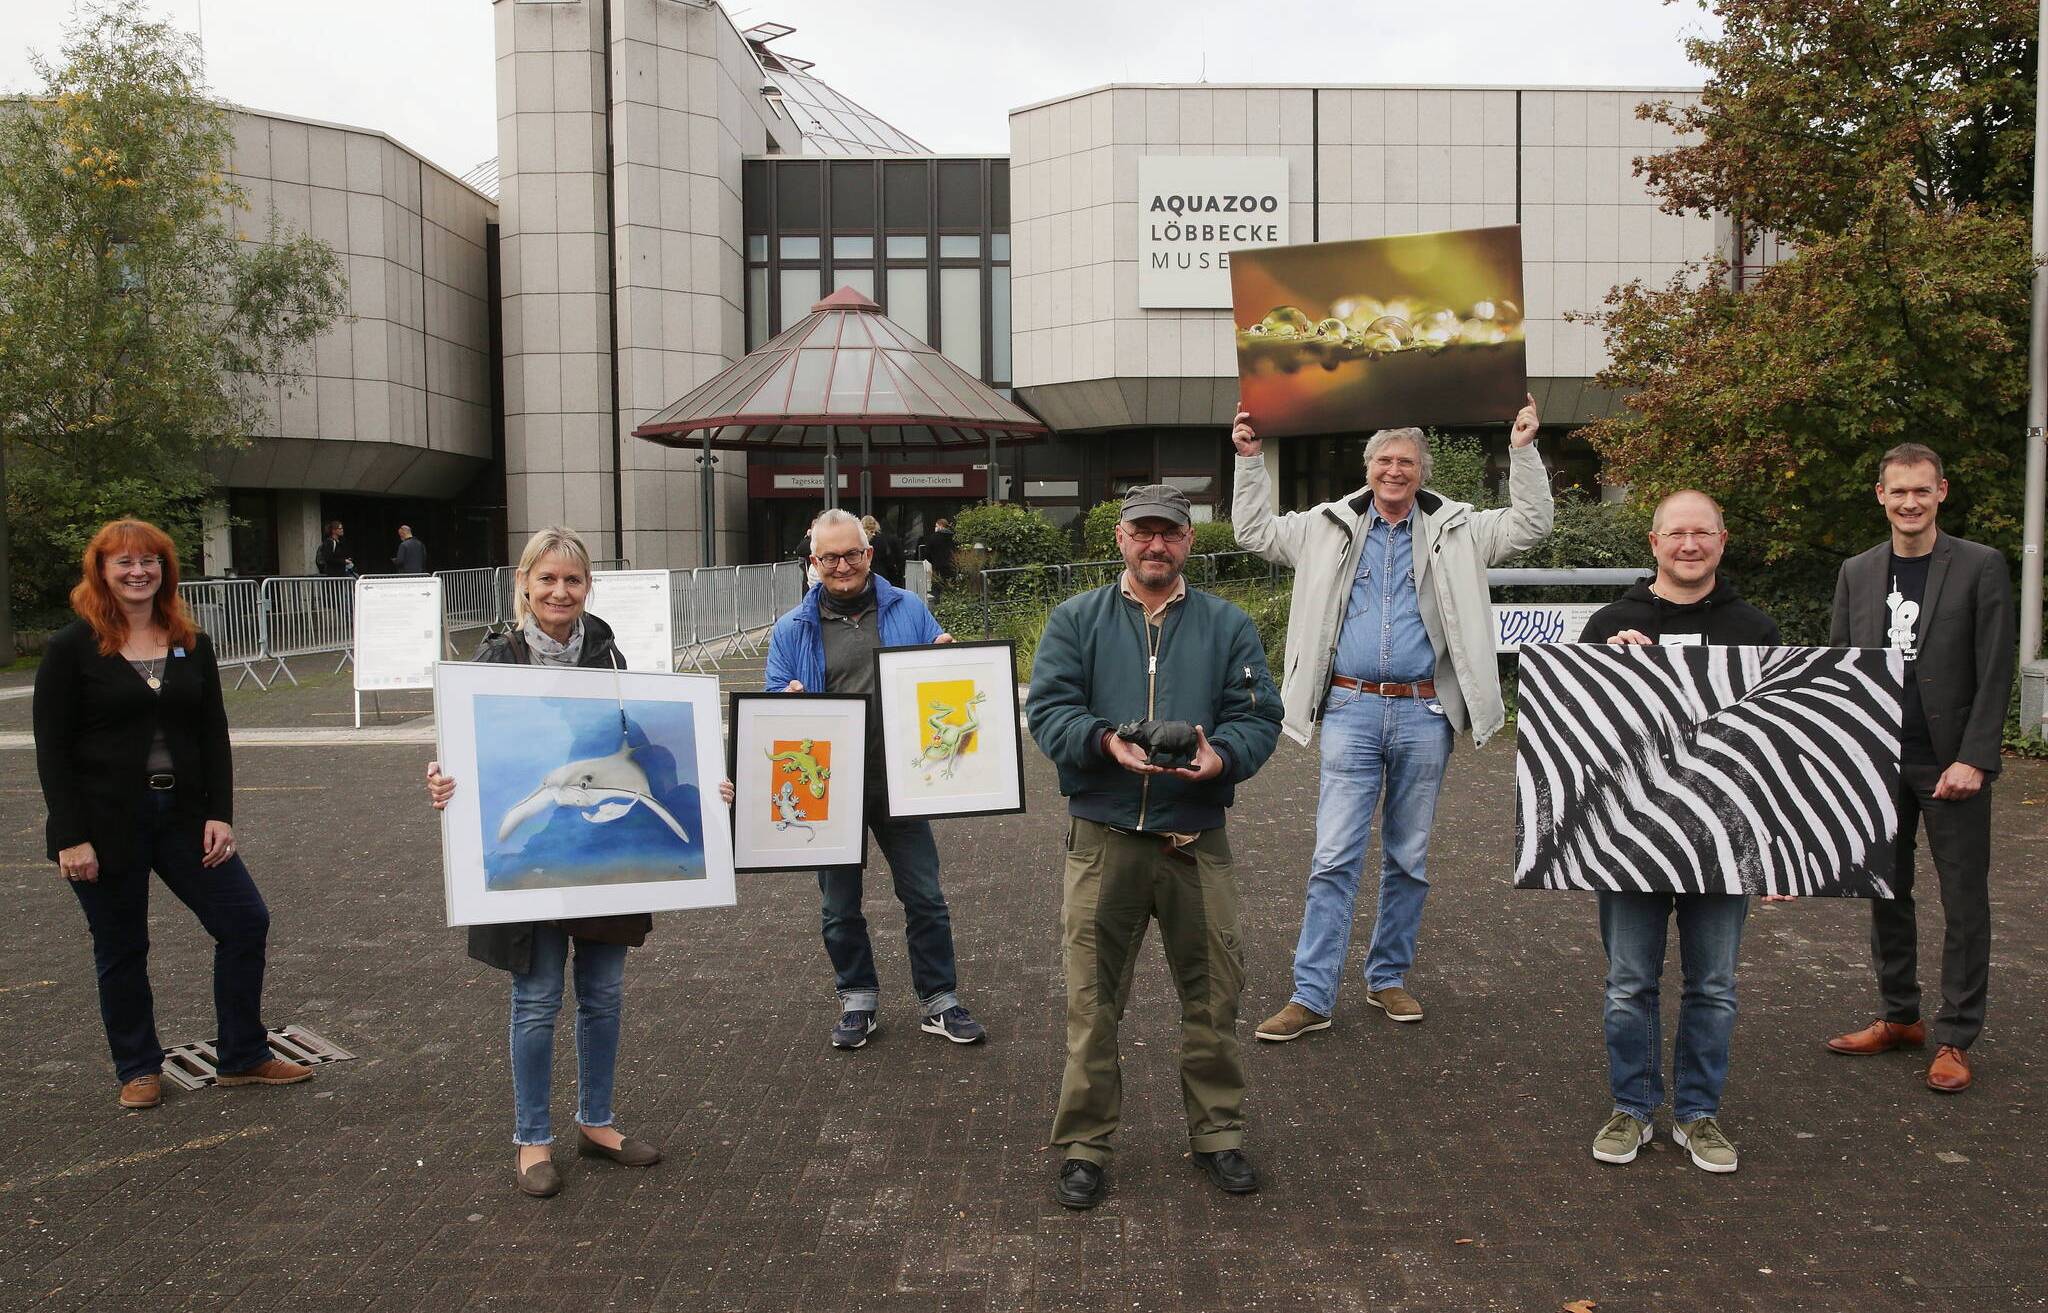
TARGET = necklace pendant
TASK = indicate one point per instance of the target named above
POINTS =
(155, 683)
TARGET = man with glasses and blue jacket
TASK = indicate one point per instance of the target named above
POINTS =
(827, 644)
(1390, 646)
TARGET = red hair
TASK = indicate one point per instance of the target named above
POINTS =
(94, 600)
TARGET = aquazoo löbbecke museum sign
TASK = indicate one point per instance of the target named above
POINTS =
(1193, 210)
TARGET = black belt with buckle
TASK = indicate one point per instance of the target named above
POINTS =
(163, 781)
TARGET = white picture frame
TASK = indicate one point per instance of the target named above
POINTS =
(580, 792)
(799, 775)
(930, 692)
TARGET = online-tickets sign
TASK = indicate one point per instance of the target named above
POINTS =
(1193, 211)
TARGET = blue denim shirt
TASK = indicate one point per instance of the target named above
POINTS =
(1383, 639)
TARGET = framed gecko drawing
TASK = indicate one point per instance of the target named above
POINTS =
(950, 741)
(799, 778)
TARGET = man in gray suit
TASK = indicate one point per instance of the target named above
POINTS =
(1946, 603)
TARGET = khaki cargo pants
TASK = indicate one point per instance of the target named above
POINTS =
(1115, 883)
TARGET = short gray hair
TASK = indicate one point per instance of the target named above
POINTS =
(1420, 440)
(837, 518)
(556, 540)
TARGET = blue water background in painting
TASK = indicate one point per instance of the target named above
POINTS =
(520, 740)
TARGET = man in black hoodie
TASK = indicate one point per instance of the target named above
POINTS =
(1687, 603)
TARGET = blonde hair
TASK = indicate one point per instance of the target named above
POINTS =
(552, 541)
(870, 526)
(1415, 438)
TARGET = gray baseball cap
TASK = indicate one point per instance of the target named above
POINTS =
(1161, 501)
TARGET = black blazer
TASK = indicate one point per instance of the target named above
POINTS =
(1967, 640)
(94, 720)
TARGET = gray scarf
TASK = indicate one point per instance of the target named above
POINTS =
(546, 651)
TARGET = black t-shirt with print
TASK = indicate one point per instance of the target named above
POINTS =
(1902, 630)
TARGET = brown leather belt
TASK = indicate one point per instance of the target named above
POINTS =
(1426, 689)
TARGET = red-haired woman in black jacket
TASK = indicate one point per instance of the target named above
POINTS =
(132, 749)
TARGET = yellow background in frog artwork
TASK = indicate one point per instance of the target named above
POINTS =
(813, 809)
(933, 694)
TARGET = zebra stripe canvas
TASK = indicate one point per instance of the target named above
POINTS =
(1708, 769)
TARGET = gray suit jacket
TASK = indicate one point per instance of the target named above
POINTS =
(1967, 642)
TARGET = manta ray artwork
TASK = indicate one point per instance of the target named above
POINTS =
(613, 812)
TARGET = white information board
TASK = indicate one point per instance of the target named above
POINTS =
(1193, 211)
(635, 604)
(1516, 623)
(398, 631)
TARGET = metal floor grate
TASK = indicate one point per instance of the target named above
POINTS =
(195, 1066)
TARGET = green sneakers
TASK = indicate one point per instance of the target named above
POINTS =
(1619, 1139)
(1711, 1149)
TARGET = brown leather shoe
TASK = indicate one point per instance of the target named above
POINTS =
(1950, 1071)
(148, 1091)
(270, 1071)
(1396, 1002)
(1881, 1037)
(541, 1181)
(1290, 1022)
(630, 1153)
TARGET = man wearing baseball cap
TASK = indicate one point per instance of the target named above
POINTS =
(1154, 701)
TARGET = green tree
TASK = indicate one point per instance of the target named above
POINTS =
(1890, 143)
(135, 318)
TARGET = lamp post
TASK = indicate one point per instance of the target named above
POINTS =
(2033, 672)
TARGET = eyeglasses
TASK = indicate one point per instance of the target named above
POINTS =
(138, 563)
(1684, 536)
(833, 560)
(1171, 537)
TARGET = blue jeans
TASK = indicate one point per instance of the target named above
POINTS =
(1632, 926)
(914, 865)
(536, 998)
(1371, 745)
(226, 902)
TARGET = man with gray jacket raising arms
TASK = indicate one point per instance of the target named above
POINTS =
(1390, 644)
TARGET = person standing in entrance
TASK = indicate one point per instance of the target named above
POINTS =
(936, 548)
(1686, 604)
(132, 749)
(827, 643)
(412, 553)
(888, 547)
(1390, 644)
(1946, 603)
(1146, 842)
(332, 559)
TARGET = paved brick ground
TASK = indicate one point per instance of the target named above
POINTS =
(1433, 1167)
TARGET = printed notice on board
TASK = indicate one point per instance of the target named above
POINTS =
(398, 631)
(635, 604)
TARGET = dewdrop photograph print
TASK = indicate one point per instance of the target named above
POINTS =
(1335, 337)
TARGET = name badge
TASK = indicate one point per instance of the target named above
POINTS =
(177, 651)
(1681, 640)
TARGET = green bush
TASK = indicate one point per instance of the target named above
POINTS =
(1098, 530)
(1013, 535)
(1215, 537)
(1458, 468)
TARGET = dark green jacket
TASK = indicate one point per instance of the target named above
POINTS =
(1091, 674)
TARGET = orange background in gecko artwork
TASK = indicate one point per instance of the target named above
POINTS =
(814, 809)
(948, 692)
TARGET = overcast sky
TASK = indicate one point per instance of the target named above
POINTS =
(945, 71)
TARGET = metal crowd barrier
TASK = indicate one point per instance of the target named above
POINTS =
(469, 600)
(307, 614)
(757, 592)
(714, 596)
(917, 579)
(230, 611)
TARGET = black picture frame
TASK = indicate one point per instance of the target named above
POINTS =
(735, 701)
(1011, 708)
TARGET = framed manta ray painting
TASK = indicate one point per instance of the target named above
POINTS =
(799, 778)
(950, 743)
(580, 793)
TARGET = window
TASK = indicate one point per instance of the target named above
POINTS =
(853, 249)
(906, 195)
(959, 194)
(797, 203)
(960, 318)
(907, 291)
(757, 306)
(960, 248)
(859, 278)
(853, 195)
(801, 288)
(757, 247)
(799, 248)
(999, 323)
(906, 248)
